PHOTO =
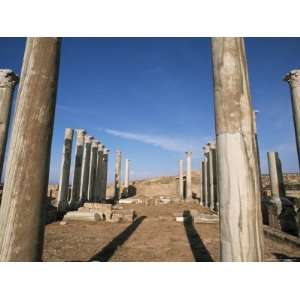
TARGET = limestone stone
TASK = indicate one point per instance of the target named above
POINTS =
(82, 216)
(62, 198)
(23, 207)
(117, 195)
(8, 81)
(92, 172)
(189, 192)
(238, 176)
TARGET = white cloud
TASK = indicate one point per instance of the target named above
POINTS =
(166, 143)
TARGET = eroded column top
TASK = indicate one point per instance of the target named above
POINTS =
(211, 145)
(69, 133)
(106, 151)
(8, 78)
(205, 149)
(88, 139)
(101, 147)
(95, 143)
(293, 78)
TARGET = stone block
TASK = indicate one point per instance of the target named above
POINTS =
(205, 218)
(82, 216)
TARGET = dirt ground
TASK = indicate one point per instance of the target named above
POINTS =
(153, 236)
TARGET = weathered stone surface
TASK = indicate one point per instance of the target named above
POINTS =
(8, 81)
(75, 194)
(99, 172)
(238, 175)
(189, 192)
(82, 216)
(181, 182)
(23, 207)
(98, 206)
(117, 195)
(104, 175)
(62, 198)
(293, 78)
(92, 172)
(205, 218)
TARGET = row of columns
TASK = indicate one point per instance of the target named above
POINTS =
(90, 171)
(239, 191)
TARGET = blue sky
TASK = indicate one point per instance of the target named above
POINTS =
(153, 97)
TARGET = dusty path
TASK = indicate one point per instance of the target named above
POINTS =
(154, 236)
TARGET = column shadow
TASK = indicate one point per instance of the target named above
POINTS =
(283, 257)
(199, 250)
(108, 251)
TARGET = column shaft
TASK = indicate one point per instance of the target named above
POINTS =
(239, 184)
(181, 187)
(293, 78)
(126, 178)
(8, 80)
(189, 191)
(84, 184)
(104, 175)
(92, 173)
(118, 175)
(203, 179)
(22, 214)
(62, 197)
(99, 172)
(75, 194)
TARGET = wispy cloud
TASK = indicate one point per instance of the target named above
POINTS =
(164, 142)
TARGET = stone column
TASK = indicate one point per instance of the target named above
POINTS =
(62, 197)
(203, 181)
(92, 173)
(23, 208)
(189, 191)
(276, 176)
(8, 81)
(75, 194)
(104, 175)
(84, 184)
(181, 186)
(212, 176)
(99, 172)
(126, 179)
(118, 175)
(238, 176)
(207, 176)
(293, 78)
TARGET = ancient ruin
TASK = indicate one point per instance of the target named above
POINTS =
(222, 210)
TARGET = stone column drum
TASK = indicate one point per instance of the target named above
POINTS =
(189, 191)
(293, 78)
(99, 172)
(207, 175)
(84, 183)
(126, 178)
(181, 182)
(118, 176)
(23, 208)
(75, 194)
(62, 197)
(238, 176)
(104, 175)
(203, 181)
(8, 81)
(212, 176)
(92, 173)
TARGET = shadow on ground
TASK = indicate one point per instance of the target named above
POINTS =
(198, 248)
(286, 258)
(108, 251)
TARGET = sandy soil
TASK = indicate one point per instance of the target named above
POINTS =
(153, 236)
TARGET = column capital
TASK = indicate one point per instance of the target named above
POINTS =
(205, 149)
(88, 138)
(101, 147)
(106, 151)
(80, 131)
(8, 78)
(212, 145)
(293, 78)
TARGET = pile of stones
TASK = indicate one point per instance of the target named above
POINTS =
(101, 212)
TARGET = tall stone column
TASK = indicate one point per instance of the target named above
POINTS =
(212, 176)
(238, 176)
(62, 198)
(75, 194)
(8, 81)
(22, 214)
(293, 78)
(207, 175)
(181, 186)
(84, 183)
(276, 176)
(126, 179)
(118, 175)
(92, 173)
(203, 181)
(99, 172)
(104, 175)
(189, 191)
